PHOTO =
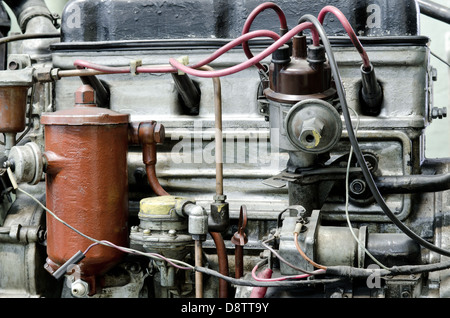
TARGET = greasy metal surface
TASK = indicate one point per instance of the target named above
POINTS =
(13, 105)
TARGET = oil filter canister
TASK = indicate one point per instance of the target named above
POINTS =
(86, 184)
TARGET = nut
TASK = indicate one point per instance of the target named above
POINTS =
(438, 112)
(85, 95)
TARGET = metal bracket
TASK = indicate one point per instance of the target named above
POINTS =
(309, 176)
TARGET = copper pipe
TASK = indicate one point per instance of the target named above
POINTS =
(218, 132)
(239, 261)
(198, 275)
(153, 180)
(75, 73)
(149, 154)
(239, 239)
(223, 262)
(148, 134)
(217, 237)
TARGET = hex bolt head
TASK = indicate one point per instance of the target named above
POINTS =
(159, 133)
(85, 95)
(438, 112)
(311, 132)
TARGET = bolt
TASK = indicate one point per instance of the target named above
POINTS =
(438, 112)
(85, 95)
(434, 74)
(405, 294)
(159, 133)
(311, 133)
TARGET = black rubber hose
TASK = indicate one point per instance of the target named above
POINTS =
(353, 272)
(434, 10)
(413, 183)
(25, 10)
(354, 142)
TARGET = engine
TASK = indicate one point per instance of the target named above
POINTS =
(207, 149)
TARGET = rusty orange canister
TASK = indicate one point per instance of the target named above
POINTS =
(86, 184)
(13, 105)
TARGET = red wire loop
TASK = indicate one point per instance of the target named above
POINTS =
(348, 28)
(252, 17)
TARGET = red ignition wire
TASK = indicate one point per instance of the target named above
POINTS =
(240, 67)
(169, 68)
(252, 17)
(283, 27)
(348, 28)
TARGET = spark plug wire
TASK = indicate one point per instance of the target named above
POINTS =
(244, 65)
(348, 28)
(170, 69)
(252, 16)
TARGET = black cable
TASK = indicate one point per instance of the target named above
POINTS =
(353, 272)
(354, 142)
(413, 183)
(440, 58)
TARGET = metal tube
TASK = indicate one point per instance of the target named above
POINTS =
(218, 134)
(153, 180)
(198, 275)
(239, 261)
(74, 73)
(223, 262)
(434, 10)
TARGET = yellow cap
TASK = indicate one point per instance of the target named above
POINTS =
(161, 206)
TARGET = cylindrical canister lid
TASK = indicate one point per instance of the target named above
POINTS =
(80, 115)
(85, 112)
